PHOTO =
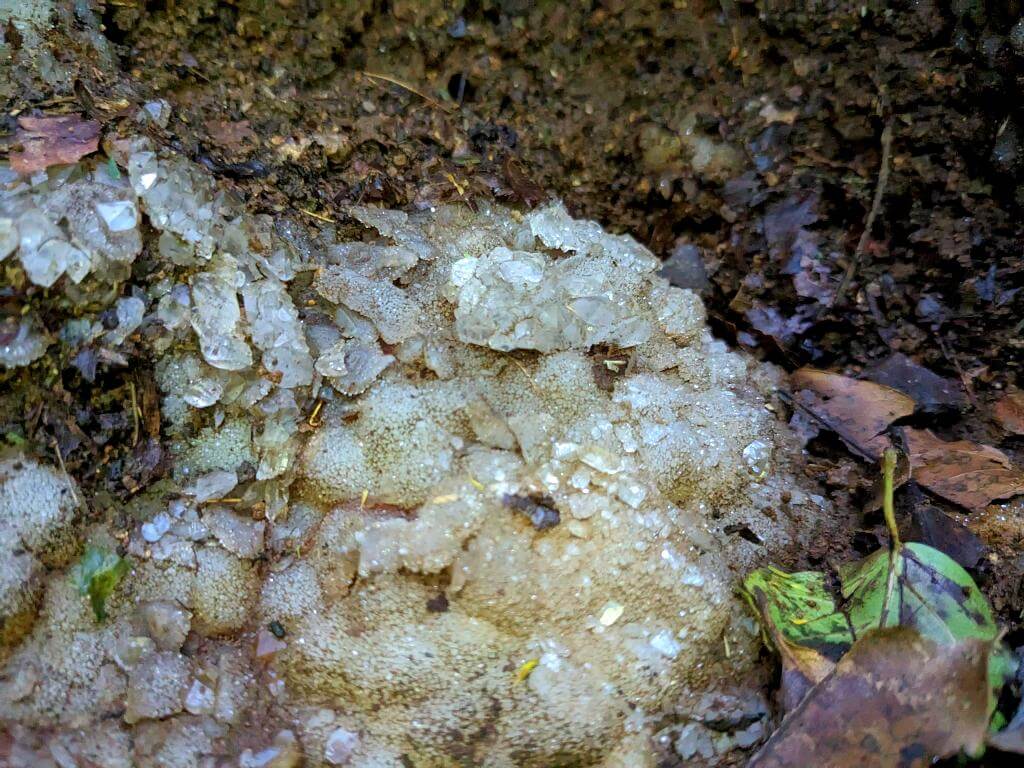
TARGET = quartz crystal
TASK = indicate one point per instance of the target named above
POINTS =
(21, 341)
(275, 328)
(216, 317)
(353, 365)
(519, 300)
(8, 237)
(119, 215)
(401, 480)
(129, 311)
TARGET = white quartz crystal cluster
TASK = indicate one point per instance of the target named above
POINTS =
(448, 488)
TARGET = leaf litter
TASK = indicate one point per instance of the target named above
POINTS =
(896, 699)
(967, 473)
(859, 412)
(47, 141)
(1009, 412)
(888, 644)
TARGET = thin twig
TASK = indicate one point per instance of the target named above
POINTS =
(876, 206)
(135, 413)
(64, 469)
(965, 380)
(406, 86)
(318, 216)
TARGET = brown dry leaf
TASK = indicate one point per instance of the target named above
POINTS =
(969, 474)
(802, 669)
(895, 699)
(1009, 412)
(47, 141)
(231, 135)
(857, 411)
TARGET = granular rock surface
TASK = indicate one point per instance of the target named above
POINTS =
(446, 488)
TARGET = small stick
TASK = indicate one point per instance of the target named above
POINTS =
(64, 469)
(406, 86)
(135, 413)
(876, 206)
(319, 216)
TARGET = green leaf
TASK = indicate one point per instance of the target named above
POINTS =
(928, 591)
(97, 575)
(800, 608)
(906, 585)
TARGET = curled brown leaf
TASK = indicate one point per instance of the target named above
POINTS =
(858, 411)
(47, 141)
(896, 699)
(1009, 412)
(969, 474)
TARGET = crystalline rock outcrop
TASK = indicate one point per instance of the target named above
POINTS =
(448, 492)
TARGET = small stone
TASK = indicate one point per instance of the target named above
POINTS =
(693, 740)
(200, 699)
(157, 112)
(173, 308)
(216, 318)
(352, 366)
(284, 753)
(601, 459)
(632, 494)
(154, 530)
(167, 623)
(156, 686)
(8, 237)
(130, 311)
(579, 529)
(340, 747)
(751, 735)
(45, 264)
(684, 268)
(129, 651)
(213, 485)
(119, 216)
(758, 455)
(275, 328)
(239, 535)
(611, 613)
(267, 645)
(205, 387)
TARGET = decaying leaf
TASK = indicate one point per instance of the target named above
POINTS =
(896, 699)
(231, 135)
(858, 411)
(905, 585)
(931, 392)
(1009, 412)
(935, 528)
(801, 622)
(47, 141)
(969, 474)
